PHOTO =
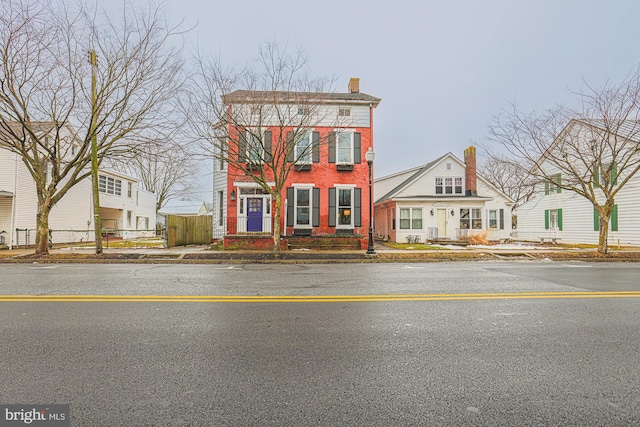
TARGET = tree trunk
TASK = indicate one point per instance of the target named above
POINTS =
(42, 228)
(277, 197)
(603, 239)
(605, 217)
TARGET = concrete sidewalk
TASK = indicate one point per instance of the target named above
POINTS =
(202, 254)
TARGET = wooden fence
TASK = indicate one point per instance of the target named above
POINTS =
(189, 230)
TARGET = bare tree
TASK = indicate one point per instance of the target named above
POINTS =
(47, 115)
(592, 152)
(258, 121)
(508, 176)
(163, 167)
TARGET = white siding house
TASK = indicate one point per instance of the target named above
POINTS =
(442, 200)
(126, 209)
(558, 213)
(219, 197)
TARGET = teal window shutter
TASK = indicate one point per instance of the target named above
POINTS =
(546, 187)
(558, 181)
(560, 219)
(614, 218)
(596, 220)
(596, 177)
(546, 219)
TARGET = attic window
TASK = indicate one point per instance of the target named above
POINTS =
(344, 112)
(303, 111)
(448, 166)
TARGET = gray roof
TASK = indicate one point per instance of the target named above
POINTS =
(255, 96)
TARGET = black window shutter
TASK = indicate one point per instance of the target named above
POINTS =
(332, 147)
(332, 207)
(501, 219)
(267, 146)
(242, 146)
(357, 155)
(357, 207)
(316, 147)
(316, 207)
(290, 207)
(290, 147)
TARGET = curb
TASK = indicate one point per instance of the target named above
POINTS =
(316, 257)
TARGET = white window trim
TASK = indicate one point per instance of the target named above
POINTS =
(297, 187)
(344, 110)
(105, 190)
(248, 152)
(239, 184)
(351, 133)
(411, 217)
(471, 217)
(309, 153)
(453, 185)
(344, 187)
(496, 212)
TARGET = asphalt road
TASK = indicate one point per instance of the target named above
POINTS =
(495, 343)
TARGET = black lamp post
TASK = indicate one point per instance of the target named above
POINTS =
(370, 155)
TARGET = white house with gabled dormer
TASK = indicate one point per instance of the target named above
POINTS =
(443, 200)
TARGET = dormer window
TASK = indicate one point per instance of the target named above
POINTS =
(449, 185)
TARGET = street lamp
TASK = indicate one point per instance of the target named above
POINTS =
(370, 155)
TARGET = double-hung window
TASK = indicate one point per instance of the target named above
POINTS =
(345, 207)
(344, 142)
(496, 219)
(255, 150)
(471, 218)
(411, 218)
(304, 149)
(493, 219)
(303, 203)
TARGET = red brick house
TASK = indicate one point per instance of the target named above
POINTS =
(322, 142)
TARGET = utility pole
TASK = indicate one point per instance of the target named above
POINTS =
(97, 220)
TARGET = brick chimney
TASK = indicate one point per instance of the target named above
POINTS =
(470, 176)
(354, 85)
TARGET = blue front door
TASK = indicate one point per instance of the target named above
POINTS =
(254, 215)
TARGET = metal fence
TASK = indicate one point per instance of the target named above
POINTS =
(26, 238)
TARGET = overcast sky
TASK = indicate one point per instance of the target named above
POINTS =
(442, 69)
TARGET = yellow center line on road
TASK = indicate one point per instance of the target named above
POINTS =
(316, 298)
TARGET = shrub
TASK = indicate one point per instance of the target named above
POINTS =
(478, 238)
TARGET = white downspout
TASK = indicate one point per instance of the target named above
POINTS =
(284, 233)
